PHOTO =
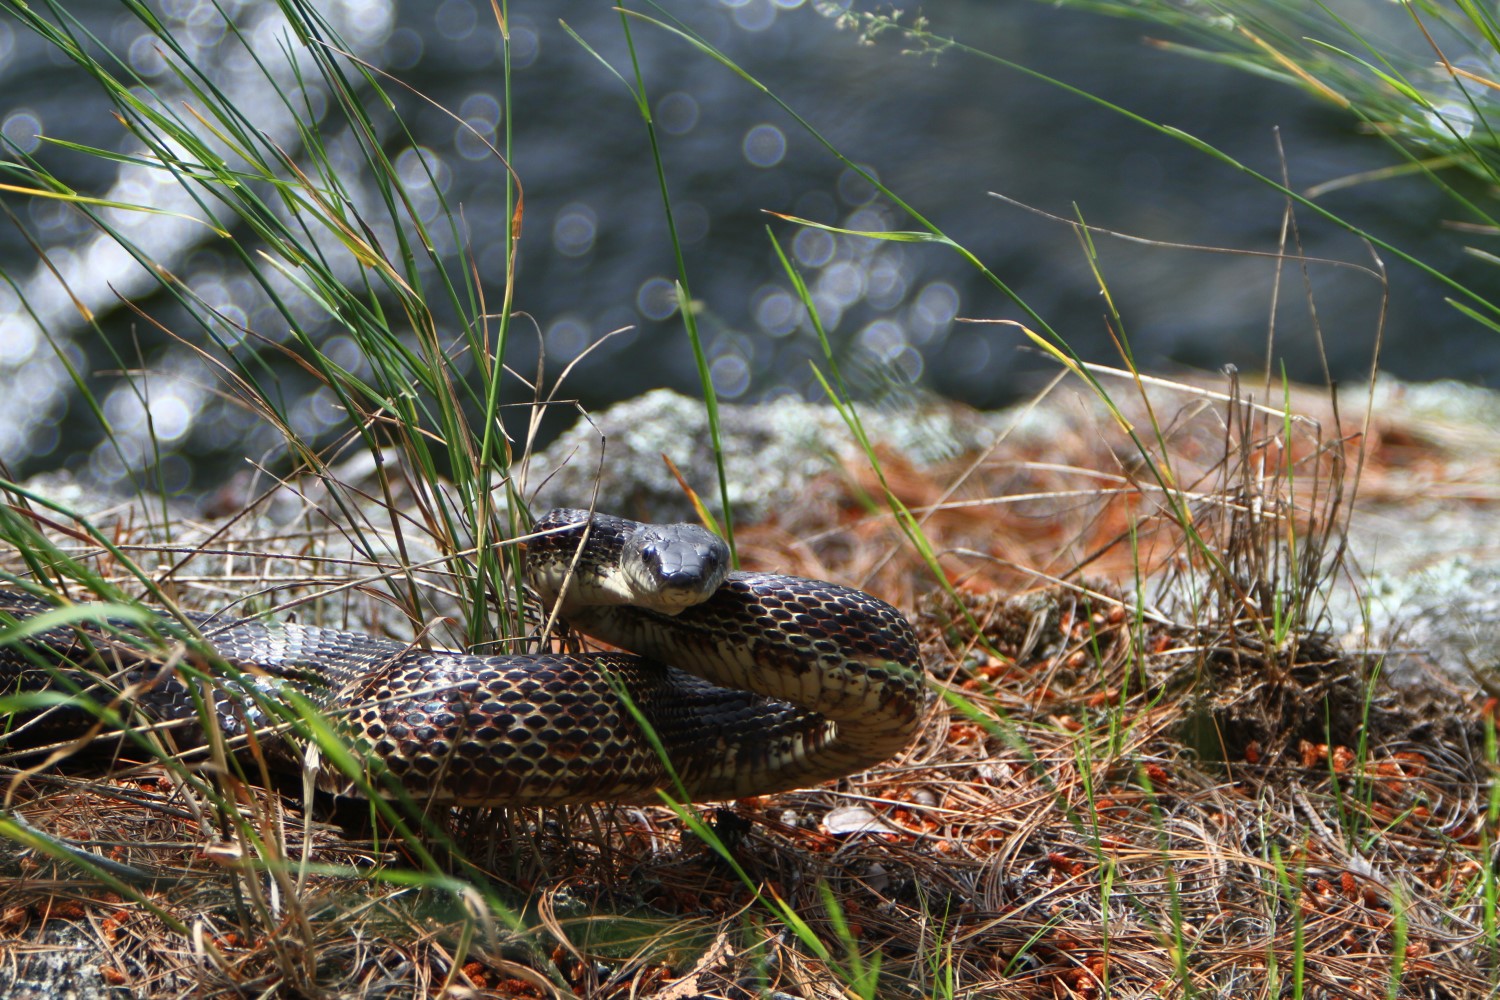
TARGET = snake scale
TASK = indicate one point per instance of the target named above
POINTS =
(752, 682)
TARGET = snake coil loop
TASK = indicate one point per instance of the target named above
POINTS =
(752, 682)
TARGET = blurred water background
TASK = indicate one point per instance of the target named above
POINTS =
(942, 130)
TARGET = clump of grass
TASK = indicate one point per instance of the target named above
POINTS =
(1423, 77)
(418, 531)
(1419, 75)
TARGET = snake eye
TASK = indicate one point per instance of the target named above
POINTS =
(651, 556)
(713, 560)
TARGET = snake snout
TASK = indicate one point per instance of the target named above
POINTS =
(675, 566)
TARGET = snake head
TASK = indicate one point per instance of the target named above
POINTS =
(673, 566)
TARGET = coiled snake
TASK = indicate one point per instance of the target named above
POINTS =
(751, 682)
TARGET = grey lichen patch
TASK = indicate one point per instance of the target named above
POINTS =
(771, 451)
(1449, 610)
(1447, 401)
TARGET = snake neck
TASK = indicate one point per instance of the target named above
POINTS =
(845, 665)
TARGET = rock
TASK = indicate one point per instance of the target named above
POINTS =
(771, 451)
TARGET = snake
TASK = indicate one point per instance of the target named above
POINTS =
(726, 684)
